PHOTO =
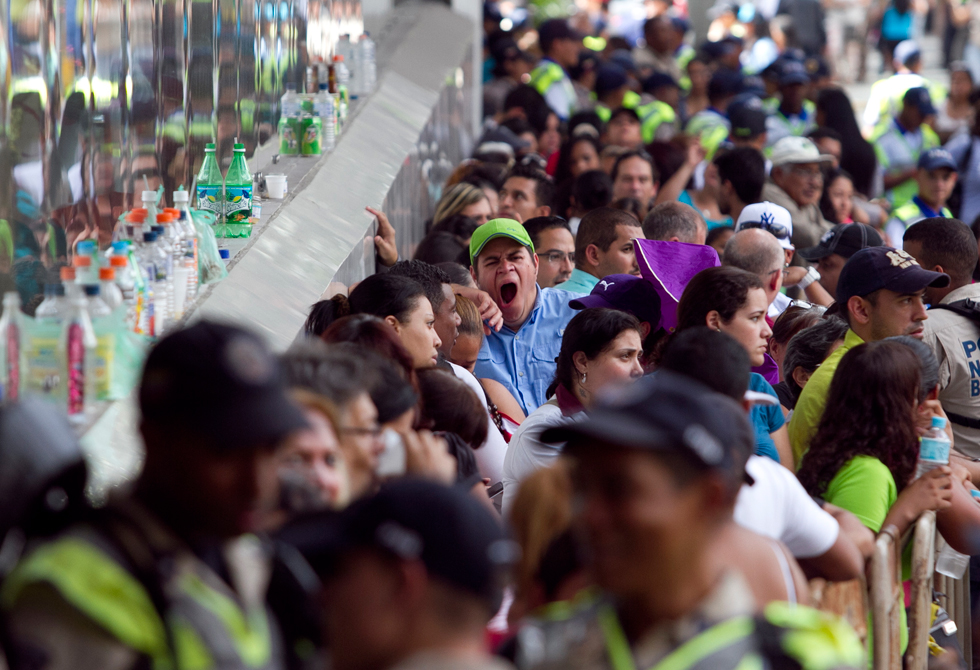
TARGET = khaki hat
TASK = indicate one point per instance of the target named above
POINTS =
(797, 150)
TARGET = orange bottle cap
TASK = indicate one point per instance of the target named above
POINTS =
(82, 261)
(107, 274)
(67, 273)
(164, 218)
(118, 261)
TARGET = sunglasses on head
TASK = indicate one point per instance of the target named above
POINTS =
(778, 230)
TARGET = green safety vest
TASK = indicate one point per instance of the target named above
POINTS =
(904, 192)
(652, 114)
(682, 59)
(204, 626)
(910, 212)
(710, 130)
(630, 101)
(7, 241)
(545, 76)
(802, 636)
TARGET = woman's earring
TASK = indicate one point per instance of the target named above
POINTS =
(585, 376)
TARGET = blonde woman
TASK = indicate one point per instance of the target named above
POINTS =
(464, 199)
(313, 470)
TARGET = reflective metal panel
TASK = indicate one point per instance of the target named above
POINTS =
(101, 98)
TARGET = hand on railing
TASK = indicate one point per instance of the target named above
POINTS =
(931, 491)
(384, 241)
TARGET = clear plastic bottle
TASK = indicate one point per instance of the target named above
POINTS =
(165, 277)
(289, 103)
(54, 307)
(11, 334)
(99, 312)
(933, 447)
(86, 272)
(148, 271)
(150, 205)
(343, 86)
(323, 106)
(110, 292)
(368, 64)
(78, 342)
(72, 289)
(191, 241)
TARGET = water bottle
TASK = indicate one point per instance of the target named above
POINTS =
(163, 285)
(289, 103)
(54, 306)
(148, 271)
(109, 291)
(43, 357)
(102, 360)
(127, 288)
(343, 86)
(191, 240)
(85, 271)
(238, 189)
(72, 289)
(78, 341)
(933, 447)
(150, 205)
(323, 106)
(11, 332)
(367, 65)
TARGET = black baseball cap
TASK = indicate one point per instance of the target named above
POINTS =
(793, 72)
(556, 29)
(666, 412)
(844, 239)
(220, 382)
(919, 98)
(627, 293)
(505, 48)
(937, 159)
(747, 116)
(875, 268)
(658, 80)
(610, 77)
(456, 538)
(724, 82)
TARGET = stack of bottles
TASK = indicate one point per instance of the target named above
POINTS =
(229, 196)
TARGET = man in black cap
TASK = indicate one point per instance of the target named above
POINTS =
(881, 294)
(748, 119)
(167, 571)
(657, 471)
(511, 64)
(711, 125)
(794, 115)
(412, 575)
(560, 44)
(835, 247)
(935, 177)
(899, 143)
(612, 90)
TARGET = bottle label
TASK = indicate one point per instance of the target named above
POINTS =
(931, 449)
(102, 365)
(76, 369)
(13, 361)
(238, 206)
(43, 371)
(209, 198)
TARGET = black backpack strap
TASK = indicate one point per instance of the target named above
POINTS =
(968, 308)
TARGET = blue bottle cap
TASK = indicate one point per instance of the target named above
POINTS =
(91, 290)
(224, 253)
(120, 247)
(149, 237)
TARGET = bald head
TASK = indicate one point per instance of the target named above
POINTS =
(675, 222)
(759, 252)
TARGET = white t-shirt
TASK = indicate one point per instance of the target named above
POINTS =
(779, 305)
(490, 457)
(778, 506)
(526, 453)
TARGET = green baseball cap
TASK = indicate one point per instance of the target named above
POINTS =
(498, 228)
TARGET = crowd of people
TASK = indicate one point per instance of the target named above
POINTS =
(664, 355)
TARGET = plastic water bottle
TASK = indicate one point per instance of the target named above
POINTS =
(289, 103)
(343, 86)
(238, 188)
(933, 447)
(163, 286)
(323, 106)
(54, 307)
(148, 270)
(42, 356)
(367, 64)
(85, 271)
(11, 332)
(191, 240)
(150, 205)
(78, 341)
(109, 291)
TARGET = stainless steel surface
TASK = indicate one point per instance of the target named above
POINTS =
(95, 95)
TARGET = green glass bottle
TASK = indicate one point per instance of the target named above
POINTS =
(238, 189)
(210, 183)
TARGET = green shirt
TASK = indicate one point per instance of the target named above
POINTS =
(864, 487)
(809, 408)
(579, 281)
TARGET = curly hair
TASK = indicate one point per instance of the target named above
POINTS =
(869, 412)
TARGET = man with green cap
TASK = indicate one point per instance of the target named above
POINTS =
(521, 355)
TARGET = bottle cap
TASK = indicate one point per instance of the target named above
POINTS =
(338, 58)
(172, 211)
(239, 147)
(91, 290)
(86, 247)
(324, 86)
(165, 217)
(181, 196)
(156, 230)
(135, 217)
(118, 261)
(224, 253)
(141, 210)
(939, 422)
(67, 273)
(149, 195)
(209, 146)
(120, 247)
(149, 237)
(82, 261)
(107, 274)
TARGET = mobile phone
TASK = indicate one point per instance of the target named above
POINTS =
(391, 462)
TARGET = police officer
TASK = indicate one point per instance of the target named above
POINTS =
(657, 471)
(711, 125)
(886, 95)
(613, 92)
(794, 115)
(953, 326)
(560, 45)
(899, 143)
(168, 577)
(935, 176)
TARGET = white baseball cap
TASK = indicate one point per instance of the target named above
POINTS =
(770, 217)
(794, 149)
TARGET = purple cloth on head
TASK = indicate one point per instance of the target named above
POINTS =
(670, 266)
(769, 370)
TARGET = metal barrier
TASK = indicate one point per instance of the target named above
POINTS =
(920, 609)
(887, 601)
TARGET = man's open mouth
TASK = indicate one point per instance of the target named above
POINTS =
(507, 294)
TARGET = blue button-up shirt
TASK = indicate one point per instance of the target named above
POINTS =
(524, 361)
